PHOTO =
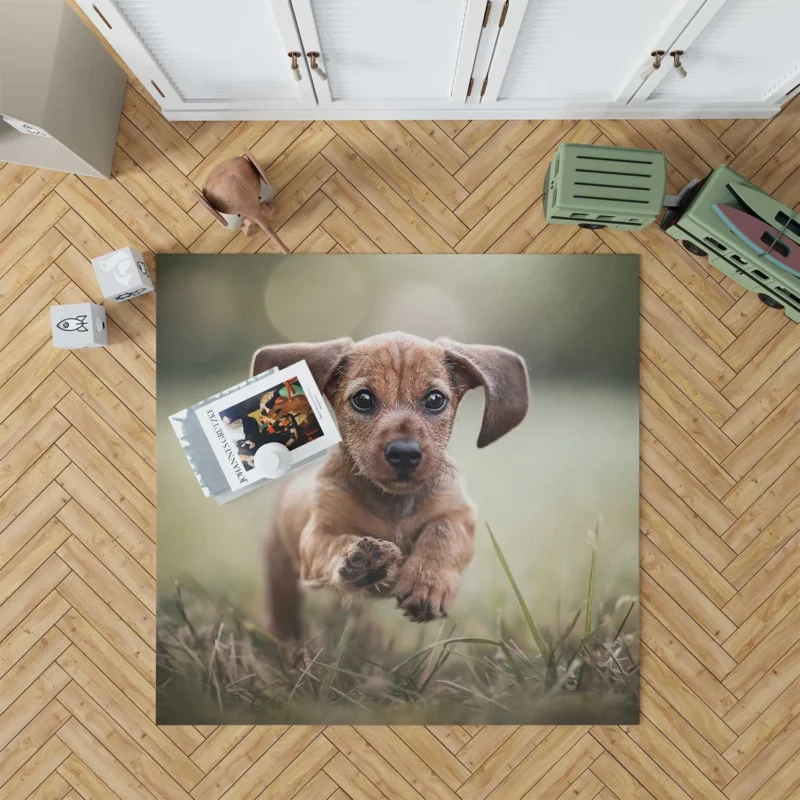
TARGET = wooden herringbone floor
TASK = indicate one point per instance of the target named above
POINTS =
(720, 505)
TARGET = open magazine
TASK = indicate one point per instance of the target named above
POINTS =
(222, 434)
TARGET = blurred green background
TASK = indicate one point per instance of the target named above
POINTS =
(542, 487)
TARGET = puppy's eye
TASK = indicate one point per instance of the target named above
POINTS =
(363, 401)
(435, 401)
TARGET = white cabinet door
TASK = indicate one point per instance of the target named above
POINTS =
(207, 54)
(578, 54)
(742, 51)
(390, 54)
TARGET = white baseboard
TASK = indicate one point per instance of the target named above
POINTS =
(650, 111)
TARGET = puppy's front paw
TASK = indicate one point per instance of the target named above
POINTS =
(423, 592)
(367, 562)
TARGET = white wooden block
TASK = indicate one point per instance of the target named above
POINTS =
(78, 325)
(122, 274)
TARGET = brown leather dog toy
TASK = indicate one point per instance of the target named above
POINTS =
(234, 188)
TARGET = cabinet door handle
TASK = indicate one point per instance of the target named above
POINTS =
(296, 74)
(676, 60)
(312, 57)
(657, 55)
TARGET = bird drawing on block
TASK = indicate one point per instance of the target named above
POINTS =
(233, 187)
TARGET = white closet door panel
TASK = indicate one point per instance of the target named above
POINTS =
(215, 51)
(750, 48)
(583, 49)
(377, 50)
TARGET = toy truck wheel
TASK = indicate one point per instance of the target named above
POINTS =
(769, 301)
(592, 226)
(694, 249)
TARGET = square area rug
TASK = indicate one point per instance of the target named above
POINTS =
(468, 554)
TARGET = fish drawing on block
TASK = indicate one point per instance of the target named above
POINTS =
(77, 324)
(761, 237)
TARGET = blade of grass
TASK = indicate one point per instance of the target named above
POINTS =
(442, 642)
(337, 656)
(624, 620)
(592, 575)
(567, 631)
(525, 610)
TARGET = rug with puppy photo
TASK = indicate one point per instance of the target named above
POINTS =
(398, 489)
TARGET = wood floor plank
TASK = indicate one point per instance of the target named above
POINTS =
(686, 413)
(684, 447)
(92, 607)
(771, 723)
(31, 521)
(769, 687)
(152, 197)
(476, 133)
(109, 587)
(437, 143)
(120, 743)
(31, 483)
(685, 682)
(774, 584)
(144, 153)
(536, 147)
(684, 556)
(426, 168)
(684, 520)
(664, 283)
(93, 392)
(503, 761)
(91, 752)
(37, 769)
(237, 762)
(107, 550)
(127, 715)
(391, 170)
(209, 135)
(352, 203)
(676, 584)
(12, 176)
(30, 230)
(686, 377)
(25, 199)
(30, 267)
(348, 234)
(346, 775)
(759, 515)
(384, 198)
(687, 341)
(108, 443)
(110, 481)
(159, 131)
(689, 742)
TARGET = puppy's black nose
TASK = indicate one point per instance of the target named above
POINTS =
(403, 454)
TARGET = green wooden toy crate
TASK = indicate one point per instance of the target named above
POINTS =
(605, 187)
(696, 225)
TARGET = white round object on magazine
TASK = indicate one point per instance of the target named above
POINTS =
(273, 460)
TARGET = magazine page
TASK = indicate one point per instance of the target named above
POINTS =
(285, 407)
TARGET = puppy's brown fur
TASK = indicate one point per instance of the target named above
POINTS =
(359, 524)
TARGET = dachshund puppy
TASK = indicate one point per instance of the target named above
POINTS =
(385, 513)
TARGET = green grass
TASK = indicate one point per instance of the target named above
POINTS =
(216, 666)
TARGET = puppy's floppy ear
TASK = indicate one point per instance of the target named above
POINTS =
(504, 379)
(324, 359)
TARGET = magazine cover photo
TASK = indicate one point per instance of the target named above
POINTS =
(463, 546)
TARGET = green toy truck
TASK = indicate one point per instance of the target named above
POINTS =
(702, 232)
(605, 187)
(609, 187)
